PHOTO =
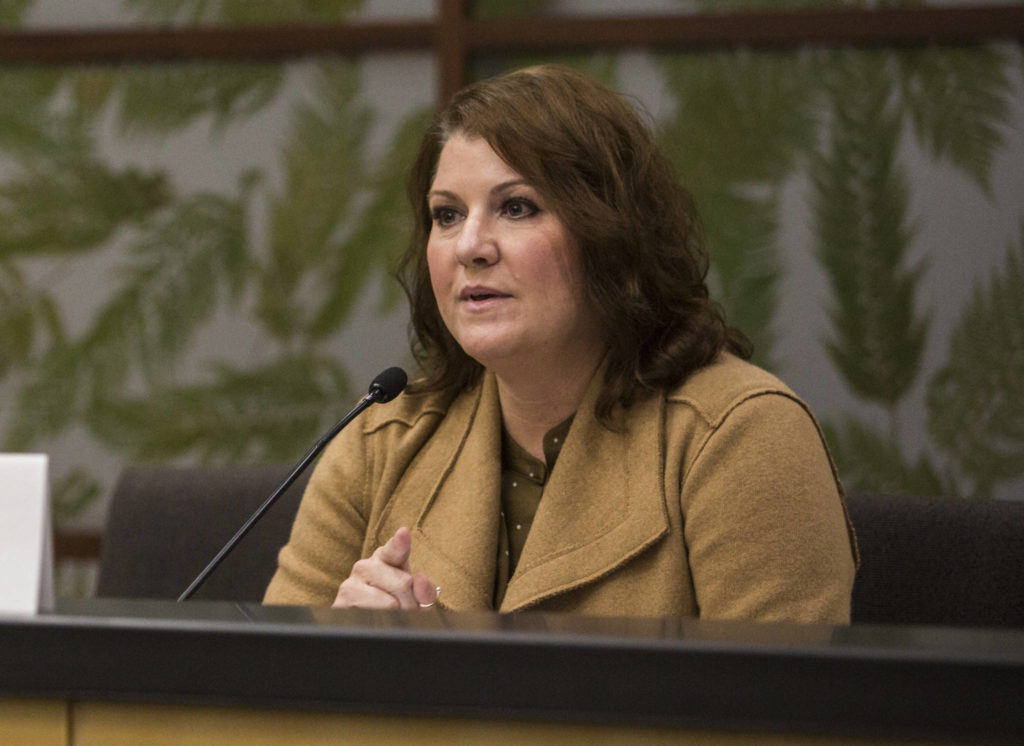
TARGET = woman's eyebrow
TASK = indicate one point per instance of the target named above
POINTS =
(440, 193)
(496, 189)
(506, 185)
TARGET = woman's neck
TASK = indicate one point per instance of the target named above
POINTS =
(533, 402)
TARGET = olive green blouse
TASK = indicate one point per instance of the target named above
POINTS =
(522, 485)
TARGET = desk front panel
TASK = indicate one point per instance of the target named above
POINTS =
(550, 674)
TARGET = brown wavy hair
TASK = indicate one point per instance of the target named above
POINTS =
(588, 152)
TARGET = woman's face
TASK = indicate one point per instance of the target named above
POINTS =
(504, 269)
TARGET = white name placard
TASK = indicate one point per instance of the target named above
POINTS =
(26, 550)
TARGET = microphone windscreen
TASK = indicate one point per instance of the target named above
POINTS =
(388, 384)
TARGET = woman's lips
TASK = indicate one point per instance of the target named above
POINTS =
(481, 293)
(479, 297)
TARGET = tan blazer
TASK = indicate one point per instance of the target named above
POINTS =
(717, 499)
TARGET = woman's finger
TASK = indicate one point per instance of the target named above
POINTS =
(382, 576)
(354, 593)
(396, 551)
(383, 580)
(424, 591)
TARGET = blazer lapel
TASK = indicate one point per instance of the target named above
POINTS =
(604, 503)
(451, 496)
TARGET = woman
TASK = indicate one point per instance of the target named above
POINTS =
(587, 435)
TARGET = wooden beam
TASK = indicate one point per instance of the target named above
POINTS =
(453, 36)
(69, 47)
(77, 545)
(855, 27)
(450, 47)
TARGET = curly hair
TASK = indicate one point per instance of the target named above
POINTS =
(588, 152)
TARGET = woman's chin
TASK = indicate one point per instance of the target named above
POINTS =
(495, 351)
(490, 356)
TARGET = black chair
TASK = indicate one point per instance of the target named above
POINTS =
(940, 561)
(165, 524)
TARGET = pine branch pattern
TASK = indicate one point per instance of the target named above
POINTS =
(742, 123)
(976, 402)
(863, 237)
(290, 249)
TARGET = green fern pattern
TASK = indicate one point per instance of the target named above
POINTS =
(742, 122)
(12, 11)
(860, 208)
(955, 102)
(292, 256)
(294, 245)
(843, 126)
(976, 401)
(241, 12)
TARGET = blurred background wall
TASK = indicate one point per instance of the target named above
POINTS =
(200, 201)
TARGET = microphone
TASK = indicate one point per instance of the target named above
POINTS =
(386, 386)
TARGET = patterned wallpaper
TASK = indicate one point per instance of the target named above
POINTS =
(193, 257)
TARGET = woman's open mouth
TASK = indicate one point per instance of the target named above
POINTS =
(481, 294)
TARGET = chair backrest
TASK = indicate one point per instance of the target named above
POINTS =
(938, 561)
(166, 523)
(944, 561)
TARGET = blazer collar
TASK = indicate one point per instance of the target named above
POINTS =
(604, 502)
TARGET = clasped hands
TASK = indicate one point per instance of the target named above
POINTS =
(384, 580)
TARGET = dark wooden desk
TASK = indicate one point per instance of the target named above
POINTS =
(119, 671)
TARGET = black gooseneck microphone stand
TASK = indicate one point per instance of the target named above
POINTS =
(385, 387)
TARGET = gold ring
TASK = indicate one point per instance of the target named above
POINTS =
(437, 593)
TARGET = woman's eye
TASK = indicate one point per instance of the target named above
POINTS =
(519, 208)
(443, 216)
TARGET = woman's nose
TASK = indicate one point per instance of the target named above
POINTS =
(477, 245)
